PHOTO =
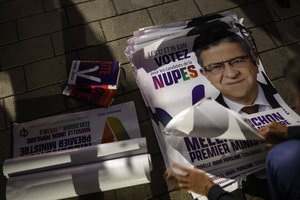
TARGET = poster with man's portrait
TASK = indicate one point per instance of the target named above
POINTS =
(200, 79)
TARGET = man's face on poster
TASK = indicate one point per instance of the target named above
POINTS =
(233, 71)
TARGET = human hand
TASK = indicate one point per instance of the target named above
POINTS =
(191, 179)
(274, 130)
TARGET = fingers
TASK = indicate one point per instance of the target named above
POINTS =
(274, 132)
(185, 169)
(264, 132)
(181, 179)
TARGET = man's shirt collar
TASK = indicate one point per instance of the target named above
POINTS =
(260, 100)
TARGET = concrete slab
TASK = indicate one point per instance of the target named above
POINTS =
(134, 193)
(40, 24)
(253, 19)
(2, 115)
(262, 39)
(285, 31)
(35, 104)
(56, 4)
(180, 195)
(26, 51)
(5, 138)
(78, 37)
(124, 25)
(174, 11)
(132, 5)
(281, 85)
(12, 10)
(49, 71)
(212, 6)
(2, 186)
(12, 82)
(148, 132)
(109, 51)
(293, 10)
(90, 11)
(8, 33)
(274, 61)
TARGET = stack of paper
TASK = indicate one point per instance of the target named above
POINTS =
(171, 81)
(76, 172)
(62, 156)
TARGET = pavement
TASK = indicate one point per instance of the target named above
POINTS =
(40, 38)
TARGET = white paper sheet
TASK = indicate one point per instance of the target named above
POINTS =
(73, 157)
(62, 183)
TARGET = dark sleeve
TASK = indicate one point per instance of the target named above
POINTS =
(293, 132)
(217, 193)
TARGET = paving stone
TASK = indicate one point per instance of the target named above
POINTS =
(158, 181)
(293, 10)
(35, 104)
(41, 24)
(212, 6)
(127, 80)
(137, 192)
(2, 115)
(148, 132)
(262, 39)
(174, 11)
(156, 198)
(180, 195)
(274, 61)
(253, 18)
(2, 185)
(5, 142)
(110, 51)
(8, 33)
(19, 8)
(108, 195)
(12, 82)
(285, 31)
(56, 4)
(77, 38)
(293, 50)
(90, 11)
(140, 107)
(47, 72)
(251, 1)
(25, 52)
(285, 92)
(131, 5)
(124, 25)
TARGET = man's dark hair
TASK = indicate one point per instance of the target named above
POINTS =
(203, 43)
(215, 33)
(292, 73)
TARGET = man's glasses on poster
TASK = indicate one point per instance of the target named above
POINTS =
(236, 62)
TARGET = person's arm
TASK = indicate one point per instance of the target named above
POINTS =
(195, 180)
(274, 132)
(280, 131)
